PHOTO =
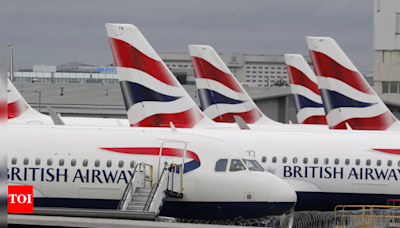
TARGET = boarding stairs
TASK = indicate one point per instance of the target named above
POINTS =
(141, 195)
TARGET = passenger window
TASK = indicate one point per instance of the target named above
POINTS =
(61, 162)
(347, 161)
(14, 161)
(264, 159)
(121, 164)
(85, 163)
(221, 164)
(236, 165)
(368, 162)
(73, 162)
(294, 160)
(37, 162)
(49, 162)
(305, 160)
(358, 162)
(109, 163)
(132, 164)
(326, 161)
(389, 163)
(274, 160)
(97, 163)
(379, 163)
(26, 161)
(284, 159)
(337, 161)
(315, 160)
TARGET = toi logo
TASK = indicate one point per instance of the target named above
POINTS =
(20, 199)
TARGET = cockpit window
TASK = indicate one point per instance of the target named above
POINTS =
(253, 165)
(221, 164)
(236, 165)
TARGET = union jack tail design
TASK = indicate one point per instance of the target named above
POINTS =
(346, 95)
(221, 95)
(17, 106)
(153, 96)
(304, 86)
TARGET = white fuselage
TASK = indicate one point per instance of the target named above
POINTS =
(66, 164)
(361, 174)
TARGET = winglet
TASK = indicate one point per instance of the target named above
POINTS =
(173, 128)
(119, 123)
(242, 125)
(348, 127)
(56, 119)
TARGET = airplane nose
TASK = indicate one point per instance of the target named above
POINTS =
(282, 193)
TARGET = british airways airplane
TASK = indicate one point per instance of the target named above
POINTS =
(88, 167)
(348, 98)
(157, 97)
(304, 86)
(21, 113)
(222, 96)
(335, 167)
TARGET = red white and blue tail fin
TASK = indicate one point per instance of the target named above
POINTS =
(347, 96)
(17, 106)
(221, 95)
(153, 96)
(304, 86)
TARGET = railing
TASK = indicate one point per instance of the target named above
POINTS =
(129, 185)
(153, 191)
(370, 216)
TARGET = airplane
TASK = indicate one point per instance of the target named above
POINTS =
(283, 151)
(222, 96)
(304, 86)
(21, 113)
(88, 167)
(155, 95)
(349, 101)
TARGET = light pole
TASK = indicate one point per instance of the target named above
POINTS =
(40, 98)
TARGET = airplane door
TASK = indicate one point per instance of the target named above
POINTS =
(171, 152)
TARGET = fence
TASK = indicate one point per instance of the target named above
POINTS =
(366, 217)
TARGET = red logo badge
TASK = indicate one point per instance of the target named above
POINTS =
(20, 199)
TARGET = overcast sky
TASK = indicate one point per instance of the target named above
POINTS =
(55, 32)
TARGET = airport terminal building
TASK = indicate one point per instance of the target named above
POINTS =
(250, 70)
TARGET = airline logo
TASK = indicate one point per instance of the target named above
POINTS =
(16, 105)
(221, 95)
(193, 164)
(346, 95)
(20, 199)
(303, 83)
(152, 94)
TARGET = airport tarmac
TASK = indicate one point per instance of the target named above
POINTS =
(15, 220)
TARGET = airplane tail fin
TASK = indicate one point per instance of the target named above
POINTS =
(303, 83)
(17, 106)
(153, 96)
(347, 96)
(221, 95)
